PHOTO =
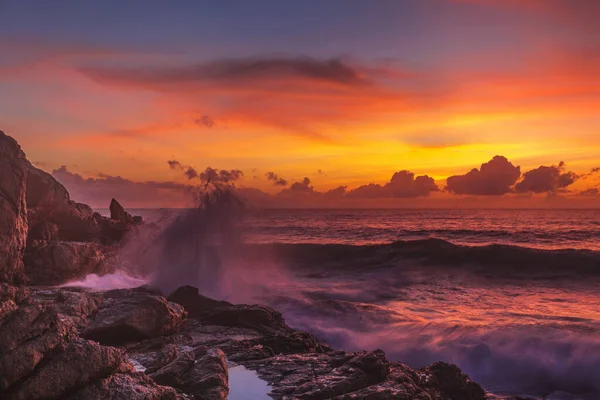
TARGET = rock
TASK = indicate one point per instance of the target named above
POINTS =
(452, 382)
(43, 231)
(200, 372)
(118, 213)
(135, 386)
(322, 376)
(13, 209)
(73, 304)
(54, 263)
(28, 336)
(127, 315)
(260, 318)
(81, 363)
(49, 202)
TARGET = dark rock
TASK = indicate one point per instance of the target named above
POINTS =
(200, 372)
(49, 202)
(53, 263)
(118, 213)
(260, 318)
(13, 209)
(43, 231)
(28, 336)
(451, 382)
(127, 316)
(75, 305)
(135, 386)
(82, 362)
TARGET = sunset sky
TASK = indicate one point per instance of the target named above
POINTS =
(309, 96)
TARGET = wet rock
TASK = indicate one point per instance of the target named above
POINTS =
(135, 386)
(54, 263)
(260, 318)
(200, 373)
(451, 382)
(269, 346)
(129, 316)
(82, 362)
(13, 209)
(322, 376)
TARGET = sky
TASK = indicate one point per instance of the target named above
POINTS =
(355, 103)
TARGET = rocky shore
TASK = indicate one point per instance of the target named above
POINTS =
(70, 343)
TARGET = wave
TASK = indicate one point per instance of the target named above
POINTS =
(491, 258)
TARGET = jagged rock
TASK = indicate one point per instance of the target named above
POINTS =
(322, 376)
(135, 386)
(451, 382)
(128, 315)
(53, 263)
(13, 209)
(27, 337)
(76, 305)
(49, 202)
(118, 213)
(82, 362)
(200, 373)
(269, 346)
(260, 318)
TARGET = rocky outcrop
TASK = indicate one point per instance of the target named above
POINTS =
(127, 316)
(260, 318)
(13, 209)
(42, 357)
(53, 263)
(48, 202)
(118, 213)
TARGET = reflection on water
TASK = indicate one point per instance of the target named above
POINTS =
(246, 385)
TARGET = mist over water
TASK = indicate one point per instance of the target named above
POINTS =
(519, 321)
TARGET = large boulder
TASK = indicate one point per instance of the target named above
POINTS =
(128, 315)
(54, 263)
(13, 209)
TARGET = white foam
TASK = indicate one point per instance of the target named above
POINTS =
(118, 280)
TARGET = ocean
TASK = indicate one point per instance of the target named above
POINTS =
(510, 296)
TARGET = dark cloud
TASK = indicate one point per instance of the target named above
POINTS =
(402, 185)
(590, 192)
(299, 188)
(338, 192)
(174, 164)
(277, 181)
(188, 171)
(232, 71)
(221, 176)
(546, 179)
(494, 178)
(205, 120)
(99, 191)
